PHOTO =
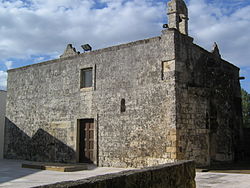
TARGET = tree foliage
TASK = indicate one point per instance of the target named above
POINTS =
(245, 108)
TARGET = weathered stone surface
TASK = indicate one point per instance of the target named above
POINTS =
(43, 95)
(246, 133)
(209, 105)
(177, 175)
(2, 120)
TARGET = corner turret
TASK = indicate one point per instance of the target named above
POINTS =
(178, 16)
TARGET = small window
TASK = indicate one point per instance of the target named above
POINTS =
(86, 78)
(123, 105)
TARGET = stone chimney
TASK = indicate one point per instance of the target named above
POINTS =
(69, 51)
(178, 16)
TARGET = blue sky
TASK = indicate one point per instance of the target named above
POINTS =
(33, 31)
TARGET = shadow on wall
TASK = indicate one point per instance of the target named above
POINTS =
(246, 132)
(41, 147)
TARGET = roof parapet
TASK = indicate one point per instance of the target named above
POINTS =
(216, 50)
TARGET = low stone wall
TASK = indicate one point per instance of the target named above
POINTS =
(172, 175)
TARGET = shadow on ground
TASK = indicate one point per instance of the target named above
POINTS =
(11, 170)
(242, 167)
(41, 147)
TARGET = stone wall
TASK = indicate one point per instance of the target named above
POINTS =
(246, 132)
(2, 120)
(182, 102)
(177, 175)
(45, 101)
(209, 115)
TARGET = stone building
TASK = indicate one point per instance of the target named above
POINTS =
(143, 103)
(2, 120)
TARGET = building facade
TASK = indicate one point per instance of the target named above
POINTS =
(139, 104)
(2, 120)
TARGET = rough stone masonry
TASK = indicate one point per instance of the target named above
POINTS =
(139, 104)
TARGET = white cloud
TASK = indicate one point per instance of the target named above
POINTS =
(8, 64)
(212, 23)
(45, 26)
(3, 79)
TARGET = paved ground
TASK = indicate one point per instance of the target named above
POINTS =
(12, 175)
(222, 180)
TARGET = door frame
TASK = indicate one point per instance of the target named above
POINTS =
(95, 160)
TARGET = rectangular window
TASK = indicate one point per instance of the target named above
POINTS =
(86, 78)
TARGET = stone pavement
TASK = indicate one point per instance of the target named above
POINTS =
(235, 175)
(222, 180)
(12, 175)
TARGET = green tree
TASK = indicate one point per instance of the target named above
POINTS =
(245, 108)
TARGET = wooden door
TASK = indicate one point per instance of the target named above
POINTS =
(86, 151)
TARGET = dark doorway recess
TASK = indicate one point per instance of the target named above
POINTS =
(86, 141)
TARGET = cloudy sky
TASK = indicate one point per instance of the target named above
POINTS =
(32, 31)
